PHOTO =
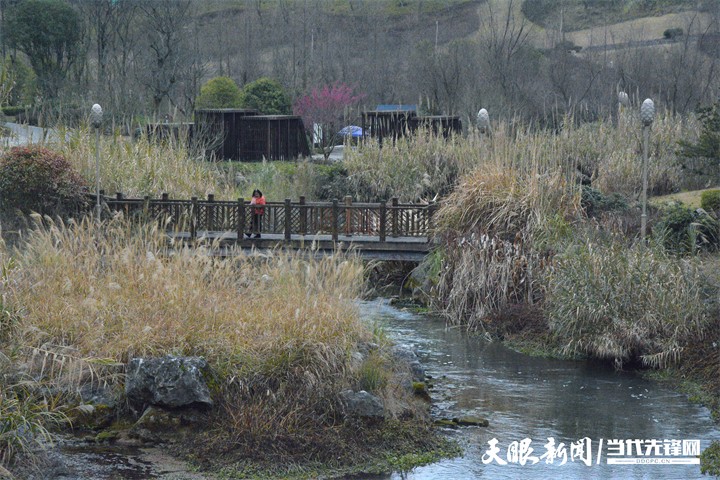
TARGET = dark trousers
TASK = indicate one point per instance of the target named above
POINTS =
(256, 223)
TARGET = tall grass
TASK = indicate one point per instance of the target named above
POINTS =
(144, 167)
(118, 292)
(517, 200)
(278, 330)
(412, 168)
(623, 303)
(26, 412)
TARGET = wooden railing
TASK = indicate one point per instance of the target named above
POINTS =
(337, 218)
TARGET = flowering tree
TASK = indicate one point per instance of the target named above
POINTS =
(325, 108)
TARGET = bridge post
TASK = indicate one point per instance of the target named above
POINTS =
(348, 215)
(288, 218)
(303, 215)
(240, 218)
(335, 215)
(118, 197)
(432, 208)
(210, 213)
(394, 216)
(193, 218)
(146, 207)
(165, 209)
(383, 221)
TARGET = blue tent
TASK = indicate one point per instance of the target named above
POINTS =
(351, 131)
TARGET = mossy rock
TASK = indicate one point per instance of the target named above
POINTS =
(471, 421)
(92, 417)
(157, 418)
(108, 436)
(420, 389)
(445, 422)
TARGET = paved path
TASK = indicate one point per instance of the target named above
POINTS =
(25, 134)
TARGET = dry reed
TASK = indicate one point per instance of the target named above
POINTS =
(623, 303)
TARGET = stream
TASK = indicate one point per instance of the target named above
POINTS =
(538, 398)
(523, 397)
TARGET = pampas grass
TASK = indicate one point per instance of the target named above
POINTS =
(626, 303)
(144, 167)
(277, 329)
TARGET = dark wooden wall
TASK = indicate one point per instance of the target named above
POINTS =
(246, 135)
(393, 124)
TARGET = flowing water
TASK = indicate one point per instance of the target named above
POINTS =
(536, 398)
(522, 397)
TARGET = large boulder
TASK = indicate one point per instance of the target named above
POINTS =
(167, 382)
(362, 405)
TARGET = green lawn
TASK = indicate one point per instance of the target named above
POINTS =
(690, 199)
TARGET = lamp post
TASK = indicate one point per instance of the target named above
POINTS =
(623, 103)
(483, 121)
(647, 113)
(96, 115)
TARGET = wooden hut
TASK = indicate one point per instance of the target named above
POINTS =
(383, 124)
(233, 134)
(219, 130)
(388, 122)
(274, 137)
(444, 125)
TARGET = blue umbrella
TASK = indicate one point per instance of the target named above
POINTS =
(351, 131)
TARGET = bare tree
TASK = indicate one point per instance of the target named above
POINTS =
(167, 30)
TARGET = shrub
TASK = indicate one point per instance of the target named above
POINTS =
(710, 200)
(594, 201)
(710, 460)
(12, 111)
(673, 33)
(38, 179)
(682, 230)
(625, 304)
(219, 92)
(267, 96)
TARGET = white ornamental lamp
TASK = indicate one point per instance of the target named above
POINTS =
(483, 121)
(623, 99)
(96, 115)
(647, 115)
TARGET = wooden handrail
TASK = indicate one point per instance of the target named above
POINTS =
(346, 218)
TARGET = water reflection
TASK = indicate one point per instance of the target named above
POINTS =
(537, 398)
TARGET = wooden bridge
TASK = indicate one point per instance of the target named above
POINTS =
(382, 231)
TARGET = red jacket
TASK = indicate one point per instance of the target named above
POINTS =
(258, 201)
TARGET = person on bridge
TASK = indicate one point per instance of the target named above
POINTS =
(257, 213)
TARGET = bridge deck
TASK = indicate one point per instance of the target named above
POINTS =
(367, 246)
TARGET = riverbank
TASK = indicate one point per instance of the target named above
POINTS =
(237, 366)
(538, 398)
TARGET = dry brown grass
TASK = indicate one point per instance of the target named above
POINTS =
(142, 167)
(117, 292)
(519, 200)
(628, 303)
(278, 330)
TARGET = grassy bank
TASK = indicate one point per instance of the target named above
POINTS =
(279, 332)
(142, 167)
(541, 249)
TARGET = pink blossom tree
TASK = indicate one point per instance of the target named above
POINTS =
(326, 108)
